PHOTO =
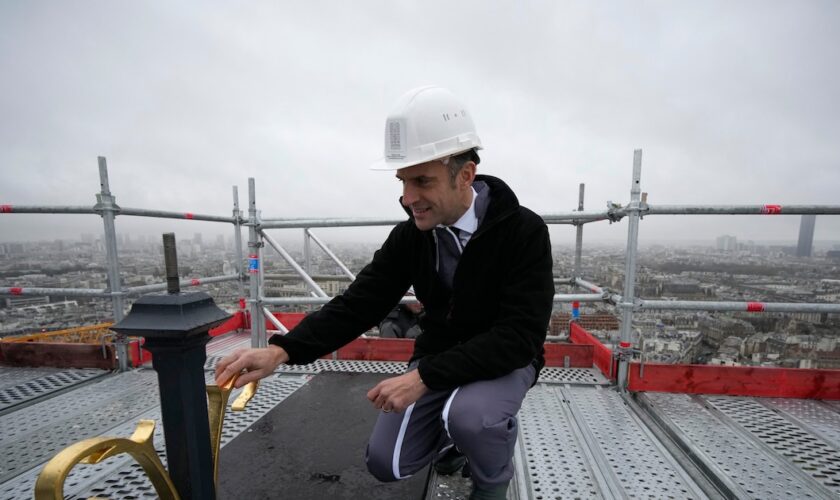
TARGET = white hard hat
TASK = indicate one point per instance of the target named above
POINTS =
(427, 123)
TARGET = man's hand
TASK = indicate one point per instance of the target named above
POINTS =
(257, 363)
(397, 393)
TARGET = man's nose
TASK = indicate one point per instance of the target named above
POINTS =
(409, 196)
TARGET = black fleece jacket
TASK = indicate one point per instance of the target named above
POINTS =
(492, 322)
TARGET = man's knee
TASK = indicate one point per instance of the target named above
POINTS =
(380, 465)
(468, 423)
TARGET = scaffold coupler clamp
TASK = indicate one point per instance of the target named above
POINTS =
(644, 208)
(624, 352)
(614, 212)
(106, 203)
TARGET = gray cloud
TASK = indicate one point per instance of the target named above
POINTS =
(731, 102)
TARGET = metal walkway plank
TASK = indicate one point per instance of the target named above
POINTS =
(551, 460)
(805, 452)
(814, 415)
(120, 477)
(20, 386)
(34, 434)
(724, 449)
(641, 464)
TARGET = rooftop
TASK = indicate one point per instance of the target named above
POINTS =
(578, 437)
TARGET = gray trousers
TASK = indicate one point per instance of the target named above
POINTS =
(479, 418)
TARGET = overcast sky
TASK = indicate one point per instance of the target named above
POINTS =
(732, 102)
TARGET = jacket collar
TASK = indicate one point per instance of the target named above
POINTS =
(503, 202)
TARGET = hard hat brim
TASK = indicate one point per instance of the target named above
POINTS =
(384, 164)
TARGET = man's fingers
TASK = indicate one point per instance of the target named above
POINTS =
(247, 377)
(373, 393)
(223, 365)
(222, 368)
(233, 365)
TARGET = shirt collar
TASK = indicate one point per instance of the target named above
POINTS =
(468, 222)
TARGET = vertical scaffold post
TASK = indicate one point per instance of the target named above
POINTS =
(237, 241)
(107, 208)
(625, 348)
(255, 269)
(307, 252)
(579, 236)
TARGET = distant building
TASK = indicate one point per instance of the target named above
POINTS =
(806, 235)
(727, 243)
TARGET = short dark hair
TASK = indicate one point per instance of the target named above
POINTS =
(456, 162)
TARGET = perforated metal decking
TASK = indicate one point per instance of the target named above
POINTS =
(579, 438)
(756, 447)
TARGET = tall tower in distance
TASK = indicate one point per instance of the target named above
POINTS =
(806, 235)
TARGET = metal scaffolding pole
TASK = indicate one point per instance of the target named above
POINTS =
(741, 209)
(106, 206)
(258, 338)
(556, 218)
(625, 347)
(237, 241)
(579, 235)
(184, 283)
(162, 214)
(288, 258)
(68, 292)
(307, 252)
(317, 277)
(589, 286)
(39, 209)
(583, 217)
(689, 305)
(333, 256)
(274, 321)
(343, 222)
(288, 301)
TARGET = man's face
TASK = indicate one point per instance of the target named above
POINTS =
(432, 197)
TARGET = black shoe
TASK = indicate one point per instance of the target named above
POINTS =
(451, 462)
(492, 493)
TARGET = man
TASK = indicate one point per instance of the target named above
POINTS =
(481, 266)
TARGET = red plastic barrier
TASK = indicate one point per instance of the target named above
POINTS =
(601, 355)
(376, 349)
(736, 380)
(580, 355)
(234, 323)
(289, 320)
(137, 354)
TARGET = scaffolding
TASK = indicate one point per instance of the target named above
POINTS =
(626, 303)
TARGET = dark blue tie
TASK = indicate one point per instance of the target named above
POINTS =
(449, 252)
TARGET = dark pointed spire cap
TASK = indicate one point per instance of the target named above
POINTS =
(171, 316)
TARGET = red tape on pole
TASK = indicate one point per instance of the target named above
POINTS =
(16, 290)
(771, 209)
(188, 215)
(755, 307)
(195, 282)
(5, 209)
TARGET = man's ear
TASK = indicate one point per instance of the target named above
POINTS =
(466, 175)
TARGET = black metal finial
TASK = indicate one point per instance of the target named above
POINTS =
(170, 259)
